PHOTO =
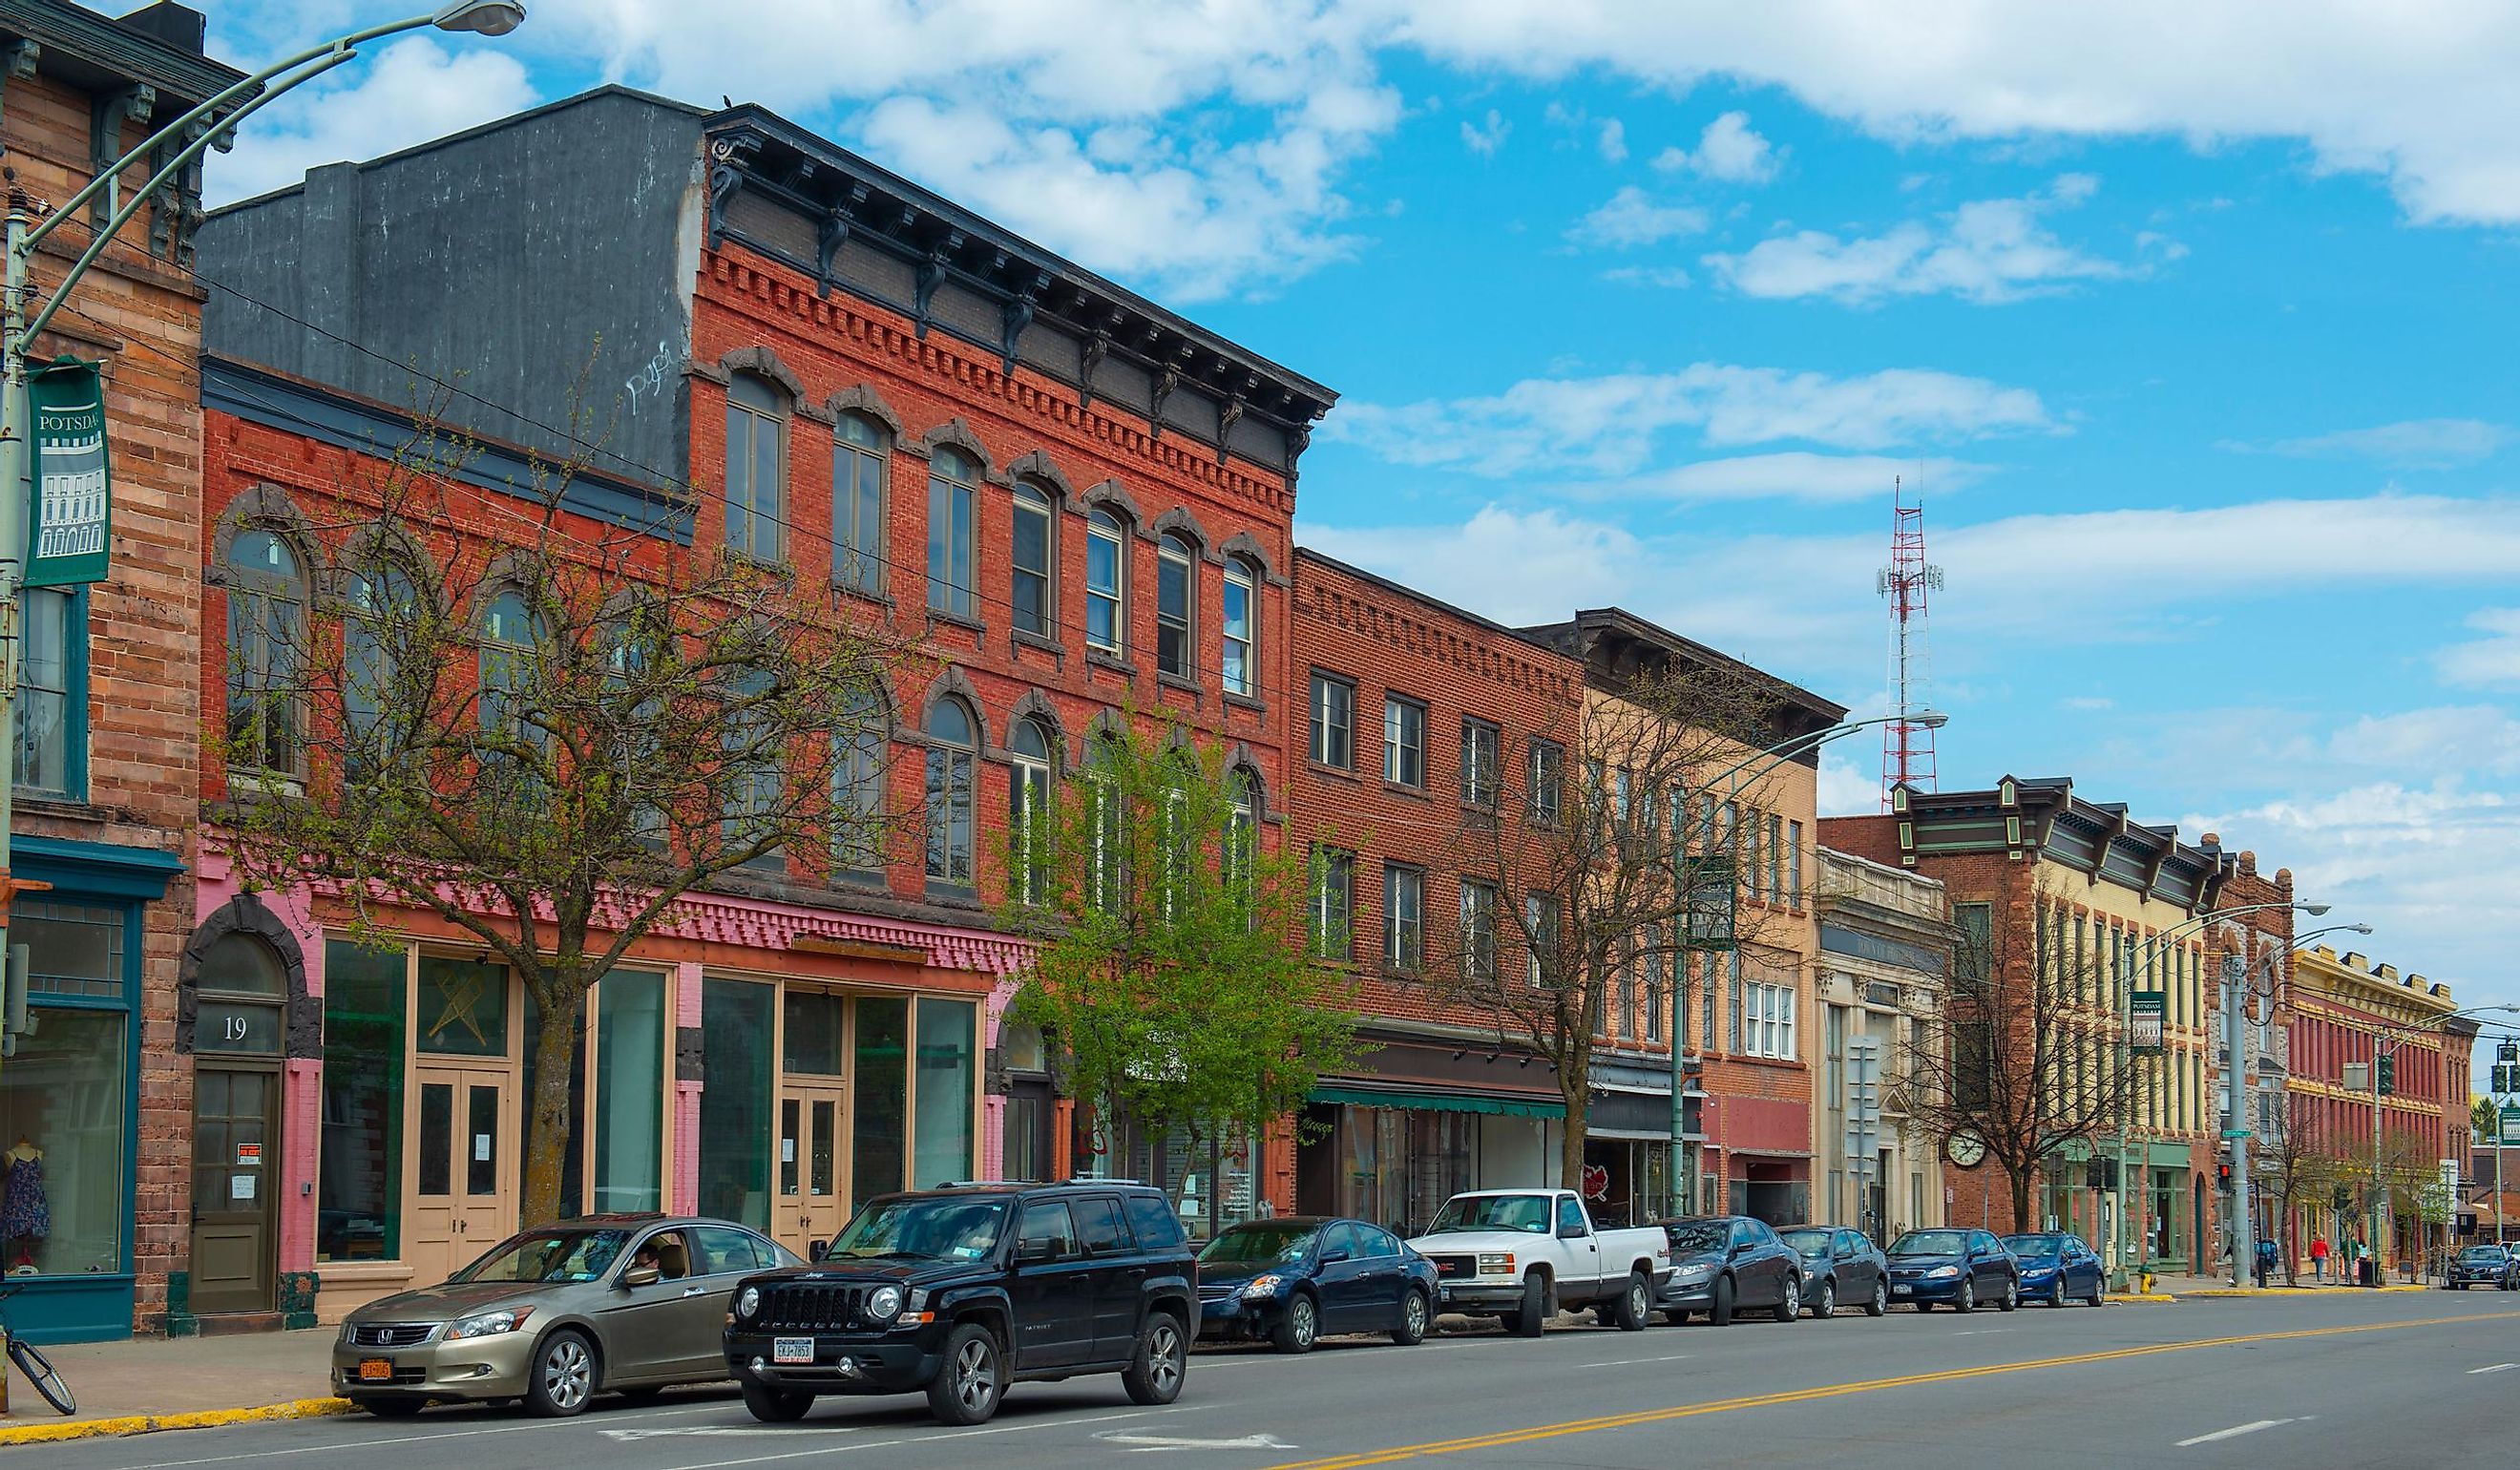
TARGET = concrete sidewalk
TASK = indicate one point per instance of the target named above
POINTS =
(150, 1383)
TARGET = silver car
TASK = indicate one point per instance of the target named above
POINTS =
(610, 1303)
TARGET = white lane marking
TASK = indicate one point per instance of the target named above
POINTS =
(2234, 1432)
(1984, 1332)
(627, 1434)
(2495, 1369)
(1145, 1444)
(363, 1446)
(936, 1439)
(1620, 1362)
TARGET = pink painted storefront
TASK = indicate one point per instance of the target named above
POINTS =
(765, 1062)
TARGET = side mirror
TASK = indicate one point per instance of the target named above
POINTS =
(816, 1250)
(1034, 1252)
(641, 1275)
(1332, 1258)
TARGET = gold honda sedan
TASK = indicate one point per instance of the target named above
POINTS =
(607, 1303)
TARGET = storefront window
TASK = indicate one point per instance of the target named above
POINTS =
(464, 1008)
(735, 1100)
(77, 948)
(812, 1043)
(943, 1137)
(1397, 1165)
(359, 1176)
(630, 1062)
(879, 1097)
(62, 1133)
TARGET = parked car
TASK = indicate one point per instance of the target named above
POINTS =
(1521, 1255)
(610, 1303)
(1298, 1278)
(1840, 1268)
(2057, 1267)
(1725, 1263)
(1962, 1269)
(962, 1290)
(2482, 1266)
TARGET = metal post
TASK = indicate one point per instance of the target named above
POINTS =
(2126, 1075)
(2235, 992)
(14, 430)
(2379, 1184)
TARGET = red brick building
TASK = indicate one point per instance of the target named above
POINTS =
(1074, 502)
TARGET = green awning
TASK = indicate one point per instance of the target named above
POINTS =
(1441, 1102)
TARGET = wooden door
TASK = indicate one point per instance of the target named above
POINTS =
(810, 1200)
(462, 1178)
(236, 1164)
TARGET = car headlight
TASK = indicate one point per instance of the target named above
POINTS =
(489, 1324)
(1692, 1274)
(1941, 1273)
(1496, 1264)
(884, 1304)
(748, 1302)
(1263, 1285)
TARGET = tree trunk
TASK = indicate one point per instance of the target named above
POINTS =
(547, 1115)
(1570, 1149)
(2020, 1182)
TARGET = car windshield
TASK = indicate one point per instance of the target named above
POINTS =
(1699, 1235)
(549, 1256)
(1526, 1212)
(2482, 1253)
(1812, 1244)
(1273, 1244)
(1930, 1243)
(2033, 1247)
(933, 1228)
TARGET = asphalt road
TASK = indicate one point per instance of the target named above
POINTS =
(2364, 1381)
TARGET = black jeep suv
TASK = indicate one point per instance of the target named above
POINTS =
(962, 1290)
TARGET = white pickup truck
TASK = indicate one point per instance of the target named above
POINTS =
(1522, 1254)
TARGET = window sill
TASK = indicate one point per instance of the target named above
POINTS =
(1096, 658)
(954, 895)
(1249, 703)
(776, 567)
(1017, 637)
(1414, 793)
(55, 804)
(937, 615)
(1335, 773)
(878, 596)
(1189, 686)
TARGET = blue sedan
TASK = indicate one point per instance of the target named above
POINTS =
(1300, 1278)
(1957, 1268)
(2057, 1267)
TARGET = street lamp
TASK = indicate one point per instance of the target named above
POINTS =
(2237, 1129)
(195, 132)
(1757, 763)
(2385, 1042)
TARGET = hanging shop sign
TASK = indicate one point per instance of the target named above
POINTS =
(2145, 1015)
(72, 500)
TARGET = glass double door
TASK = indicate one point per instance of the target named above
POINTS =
(463, 1180)
(810, 1200)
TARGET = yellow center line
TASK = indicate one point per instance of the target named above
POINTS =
(1840, 1390)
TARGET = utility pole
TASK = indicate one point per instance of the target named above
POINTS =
(2380, 1220)
(2235, 996)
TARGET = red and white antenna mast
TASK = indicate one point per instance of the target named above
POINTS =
(1907, 745)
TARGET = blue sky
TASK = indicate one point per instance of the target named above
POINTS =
(2192, 321)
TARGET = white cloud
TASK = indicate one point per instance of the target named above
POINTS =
(1606, 426)
(1560, 562)
(1729, 150)
(408, 93)
(1614, 142)
(2413, 443)
(1987, 251)
(1668, 277)
(1484, 138)
(1801, 475)
(1845, 790)
(2490, 661)
(1631, 218)
(2086, 703)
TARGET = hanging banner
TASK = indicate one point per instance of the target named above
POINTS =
(2145, 1012)
(66, 533)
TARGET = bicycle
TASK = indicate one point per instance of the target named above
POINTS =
(35, 1365)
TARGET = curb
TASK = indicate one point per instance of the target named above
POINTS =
(2292, 1291)
(2156, 1299)
(208, 1418)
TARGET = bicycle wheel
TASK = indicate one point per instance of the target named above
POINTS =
(39, 1370)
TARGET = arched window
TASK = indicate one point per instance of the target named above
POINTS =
(377, 629)
(1029, 810)
(1176, 594)
(757, 466)
(241, 992)
(1242, 628)
(509, 635)
(1035, 556)
(952, 746)
(859, 457)
(951, 476)
(266, 623)
(1107, 563)
(857, 781)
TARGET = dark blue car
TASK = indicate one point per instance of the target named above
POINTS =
(2057, 1267)
(1300, 1278)
(1962, 1269)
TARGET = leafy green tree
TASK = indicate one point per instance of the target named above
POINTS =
(1173, 966)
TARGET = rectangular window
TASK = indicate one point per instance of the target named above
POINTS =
(1623, 1000)
(1776, 858)
(814, 1031)
(1478, 931)
(1029, 561)
(755, 465)
(52, 691)
(1404, 914)
(942, 1139)
(879, 1097)
(1548, 780)
(949, 536)
(1794, 864)
(1733, 1000)
(630, 1092)
(1333, 722)
(1654, 963)
(1482, 754)
(1771, 1021)
(1104, 627)
(736, 1058)
(1242, 598)
(64, 1092)
(1404, 741)
(463, 1006)
(858, 549)
(1540, 922)
(1333, 902)
(1174, 646)
(358, 1204)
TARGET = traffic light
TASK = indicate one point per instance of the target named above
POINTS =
(2388, 1074)
(2222, 1174)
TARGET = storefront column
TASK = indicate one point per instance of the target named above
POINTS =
(992, 1161)
(687, 1090)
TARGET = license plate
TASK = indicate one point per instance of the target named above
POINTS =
(792, 1350)
(1898, 1291)
(375, 1370)
(1447, 1295)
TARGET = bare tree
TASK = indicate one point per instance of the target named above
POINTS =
(540, 730)
(1582, 871)
(2023, 1053)
(2300, 1160)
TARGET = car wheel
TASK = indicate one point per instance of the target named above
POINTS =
(2100, 1289)
(562, 1375)
(1969, 1296)
(1880, 1302)
(2011, 1293)
(970, 1382)
(1790, 1306)
(2056, 1293)
(1163, 1360)
(1635, 1306)
(1298, 1326)
(1415, 1317)
(393, 1408)
(1824, 1306)
(1533, 1317)
(777, 1406)
(1719, 1309)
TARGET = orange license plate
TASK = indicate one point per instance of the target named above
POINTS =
(375, 1370)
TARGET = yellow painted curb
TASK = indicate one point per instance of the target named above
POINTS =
(2156, 1299)
(208, 1418)
(2294, 1291)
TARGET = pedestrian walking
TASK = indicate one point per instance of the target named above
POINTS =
(2318, 1258)
(2266, 1262)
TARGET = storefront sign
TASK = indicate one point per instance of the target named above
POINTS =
(2511, 1123)
(242, 1186)
(249, 1153)
(66, 541)
(2145, 1014)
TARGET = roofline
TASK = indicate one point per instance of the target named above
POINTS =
(1648, 631)
(1305, 554)
(103, 41)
